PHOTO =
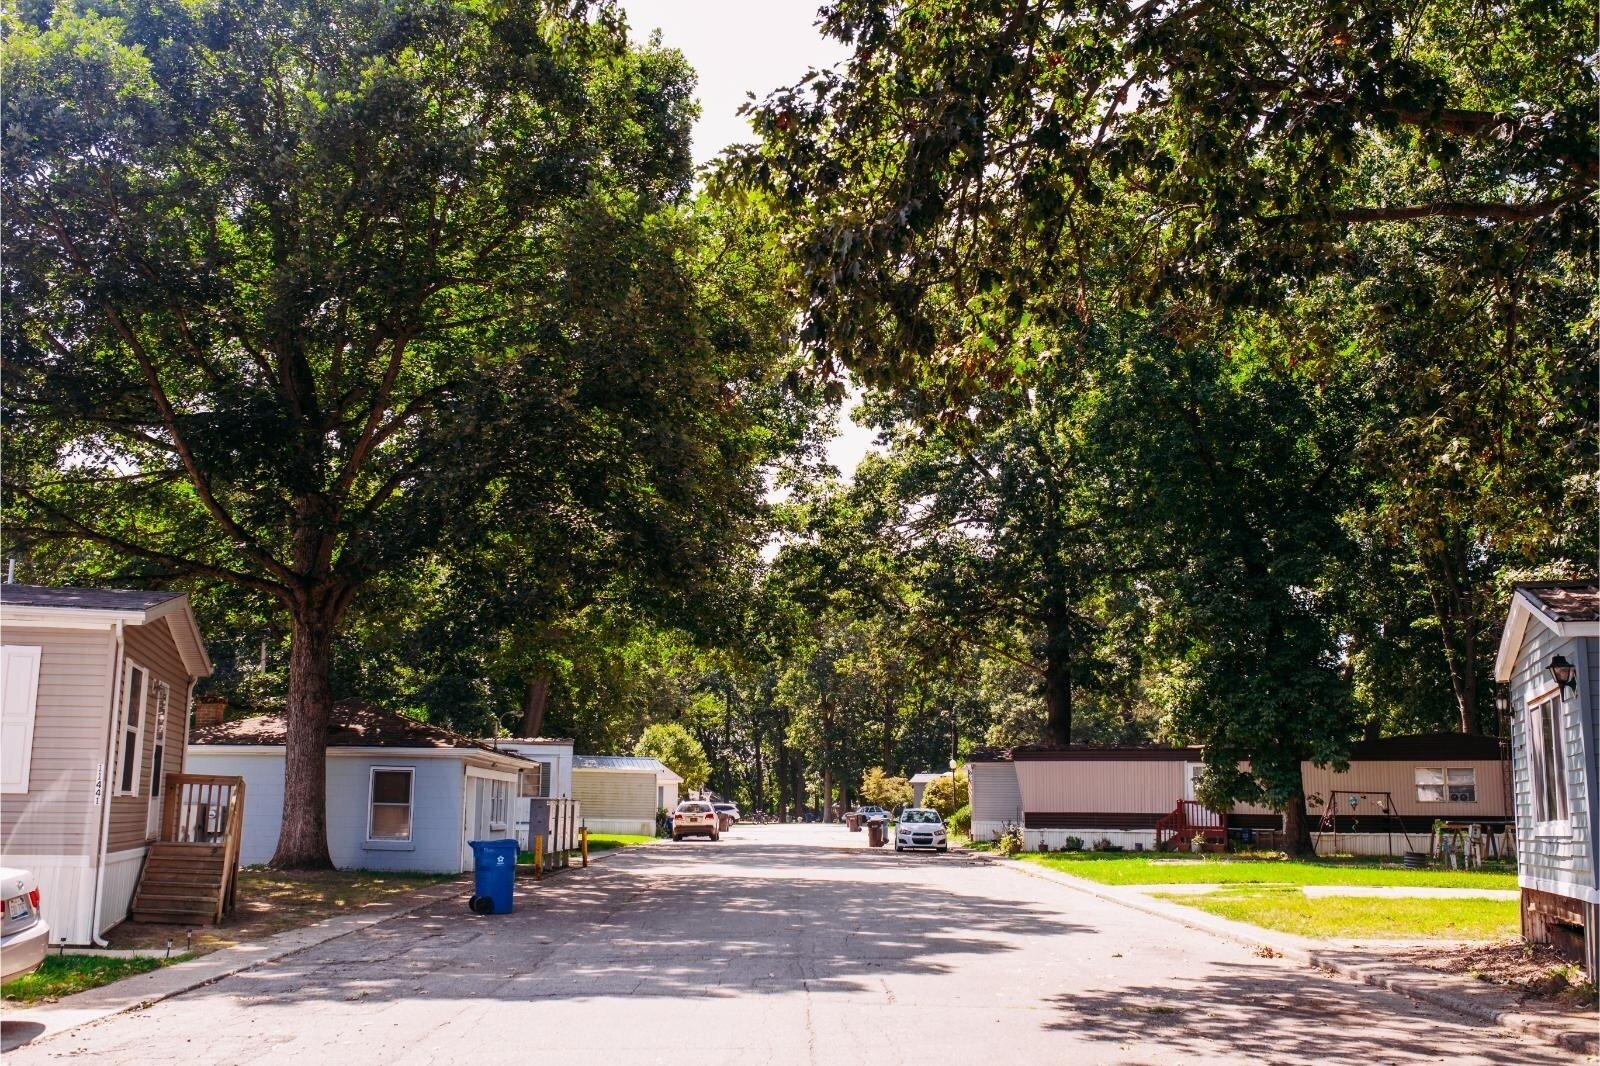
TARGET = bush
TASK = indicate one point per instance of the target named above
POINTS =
(961, 821)
(945, 797)
(1104, 844)
(890, 793)
(1009, 839)
(1072, 844)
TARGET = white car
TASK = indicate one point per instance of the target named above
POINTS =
(696, 818)
(730, 809)
(920, 827)
(23, 932)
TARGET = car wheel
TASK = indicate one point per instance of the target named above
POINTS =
(715, 837)
(944, 849)
(897, 847)
(676, 838)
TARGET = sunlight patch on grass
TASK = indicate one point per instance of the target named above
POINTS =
(1123, 868)
(1289, 910)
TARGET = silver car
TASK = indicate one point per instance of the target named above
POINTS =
(23, 931)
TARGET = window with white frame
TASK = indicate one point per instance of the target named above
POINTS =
(1455, 784)
(132, 751)
(163, 694)
(499, 800)
(1548, 752)
(19, 694)
(389, 814)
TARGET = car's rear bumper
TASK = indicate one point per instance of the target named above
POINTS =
(23, 951)
(694, 830)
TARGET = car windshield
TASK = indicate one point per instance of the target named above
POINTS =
(693, 808)
(916, 817)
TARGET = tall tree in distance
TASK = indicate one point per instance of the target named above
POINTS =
(290, 288)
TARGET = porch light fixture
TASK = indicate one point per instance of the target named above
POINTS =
(1354, 800)
(1566, 675)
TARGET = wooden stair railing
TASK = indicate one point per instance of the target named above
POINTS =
(1191, 818)
(191, 873)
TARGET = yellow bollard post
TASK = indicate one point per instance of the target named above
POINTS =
(538, 857)
(583, 844)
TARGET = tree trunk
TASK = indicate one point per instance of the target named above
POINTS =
(535, 693)
(1058, 690)
(827, 794)
(303, 837)
(1297, 827)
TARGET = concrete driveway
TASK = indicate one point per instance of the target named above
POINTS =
(784, 945)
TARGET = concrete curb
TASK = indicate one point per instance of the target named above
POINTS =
(1317, 957)
(143, 990)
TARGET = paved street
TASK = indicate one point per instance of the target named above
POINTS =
(786, 945)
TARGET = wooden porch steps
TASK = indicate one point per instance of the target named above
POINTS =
(181, 883)
(190, 874)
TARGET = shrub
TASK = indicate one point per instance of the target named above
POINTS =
(1104, 844)
(961, 821)
(890, 793)
(945, 797)
(1009, 838)
(1072, 844)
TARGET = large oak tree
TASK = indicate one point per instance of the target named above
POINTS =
(297, 290)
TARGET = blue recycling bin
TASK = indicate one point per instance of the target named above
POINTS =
(494, 875)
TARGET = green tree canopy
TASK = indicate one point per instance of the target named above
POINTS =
(678, 751)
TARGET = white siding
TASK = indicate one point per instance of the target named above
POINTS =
(616, 801)
(994, 797)
(1566, 863)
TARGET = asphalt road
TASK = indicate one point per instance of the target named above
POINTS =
(786, 945)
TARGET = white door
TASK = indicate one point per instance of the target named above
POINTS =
(1191, 774)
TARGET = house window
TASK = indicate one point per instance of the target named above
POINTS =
(499, 800)
(1437, 784)
(390, 814)
(1461, 785)
(132, 731)
(1548, 749)
(162, 695)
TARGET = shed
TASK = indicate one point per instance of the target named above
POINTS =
(1549, 661)
(402, 794)
(920, 783)
(97, 686)
(621, 793)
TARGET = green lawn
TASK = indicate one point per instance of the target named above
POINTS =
(601, 842)
(611, 841)
(62, 975)
(1288, 910)
(1136, 868)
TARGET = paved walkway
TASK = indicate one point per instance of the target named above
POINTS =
(786, 945)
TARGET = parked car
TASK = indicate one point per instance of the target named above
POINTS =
(921, 827)
(696, 818)
(870, 812)
(23, 931)
(729, 809)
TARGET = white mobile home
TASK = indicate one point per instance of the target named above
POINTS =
(621, 793)
(1549, 659)
(97, 686)
(549, 779)
(402, 794)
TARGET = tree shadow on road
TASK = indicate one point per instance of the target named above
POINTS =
(676, 932)
(1281, 1016)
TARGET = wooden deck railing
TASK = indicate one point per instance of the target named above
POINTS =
(207, 809)
(1191, 818)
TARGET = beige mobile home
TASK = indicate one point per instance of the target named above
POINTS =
(97, 686)
(621, 793)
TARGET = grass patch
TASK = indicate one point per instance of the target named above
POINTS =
(612, 841)
(1125, 868)
(272, 901)
(1288, 910)
(62, 975)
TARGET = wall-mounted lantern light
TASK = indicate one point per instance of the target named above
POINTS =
(1566, 675)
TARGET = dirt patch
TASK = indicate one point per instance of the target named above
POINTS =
(1541, 977)
(273, 901)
